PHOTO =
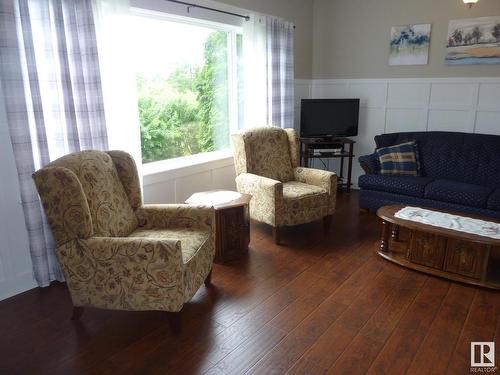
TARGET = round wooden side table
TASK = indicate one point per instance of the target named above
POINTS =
(232, 222)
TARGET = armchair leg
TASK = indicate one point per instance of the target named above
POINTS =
(327, 223)
(174, 321)
(77, 312)
(208, 280)
(276, 235)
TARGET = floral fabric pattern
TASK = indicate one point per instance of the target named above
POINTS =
(127, 172)
(158, 265)
(267, 153)
(323, 179)
(308, 195)
(266, 204)
(64, 203)
(112, 214)
(124, 273)
(294, 147)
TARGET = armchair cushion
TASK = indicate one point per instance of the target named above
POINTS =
(303, 203)
(191, 239)
(297, 190)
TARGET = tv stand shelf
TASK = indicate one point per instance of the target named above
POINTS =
(308, 146)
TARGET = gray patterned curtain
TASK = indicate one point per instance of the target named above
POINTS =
(281, 71)
(49, 72)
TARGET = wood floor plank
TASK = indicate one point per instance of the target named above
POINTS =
(404, 342)
(333, 341)
(436, 349)
(359, 355)
(247, 354)
(478, 327)
(290, 349)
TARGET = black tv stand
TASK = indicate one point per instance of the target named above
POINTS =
(308, 146)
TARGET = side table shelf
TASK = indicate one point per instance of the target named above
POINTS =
(308, 146)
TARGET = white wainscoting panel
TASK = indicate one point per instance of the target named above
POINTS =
(469, 105)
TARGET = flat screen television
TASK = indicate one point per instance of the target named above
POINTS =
(329, 118)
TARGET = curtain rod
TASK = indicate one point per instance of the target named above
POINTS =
(191, 5)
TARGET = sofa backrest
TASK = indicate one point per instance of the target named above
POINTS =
(463, 157)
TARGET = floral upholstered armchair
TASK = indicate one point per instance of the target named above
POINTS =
(117, 253)
(284, 194)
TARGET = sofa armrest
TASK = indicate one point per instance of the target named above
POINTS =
(369, 163)
(324, 179)
(266, 204)
(176, 216)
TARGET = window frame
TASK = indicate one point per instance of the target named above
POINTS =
(201, 158)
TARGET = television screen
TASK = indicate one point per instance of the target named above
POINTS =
(329, 118)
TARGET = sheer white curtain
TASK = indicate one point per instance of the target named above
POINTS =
(50, 77)
(269, 71)
(118, 76)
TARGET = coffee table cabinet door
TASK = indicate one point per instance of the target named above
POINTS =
(427, 249)
(466, 258)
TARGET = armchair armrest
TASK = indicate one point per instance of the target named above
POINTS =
(176, 216)
(259, 185)
(267, 197)
(124, 272)
(324, 179)
(369, 163)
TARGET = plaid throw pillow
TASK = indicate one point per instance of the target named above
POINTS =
(399, 159)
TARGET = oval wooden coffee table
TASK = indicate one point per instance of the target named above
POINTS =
(458, 256)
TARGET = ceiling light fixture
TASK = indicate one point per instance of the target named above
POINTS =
(470, 3)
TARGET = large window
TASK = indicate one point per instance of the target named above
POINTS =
(187, 84)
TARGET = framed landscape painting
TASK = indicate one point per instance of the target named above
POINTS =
(473, 41)
(410, 44)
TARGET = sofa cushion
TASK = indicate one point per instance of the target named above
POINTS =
(406, 185)
(457, 192)
(494, 200)
(399, 159)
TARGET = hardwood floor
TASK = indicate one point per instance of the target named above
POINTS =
(316, 304)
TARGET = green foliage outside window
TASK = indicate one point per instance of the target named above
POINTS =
(187, 112)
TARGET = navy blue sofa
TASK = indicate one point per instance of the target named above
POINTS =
(460, 172)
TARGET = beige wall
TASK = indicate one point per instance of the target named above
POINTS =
(351, 37)
(298, 11)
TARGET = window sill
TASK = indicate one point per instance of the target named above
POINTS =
(174, 168)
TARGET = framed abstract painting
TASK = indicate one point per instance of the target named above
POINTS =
(410, 45)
